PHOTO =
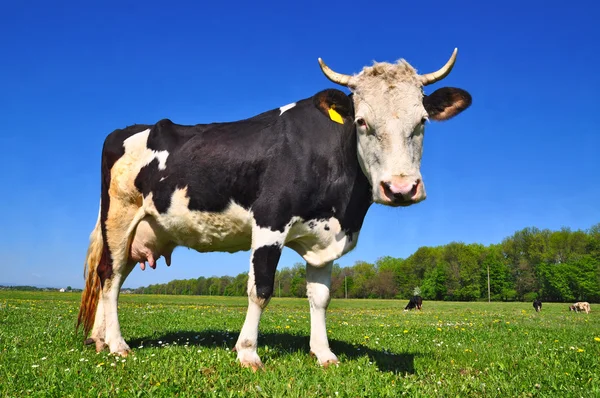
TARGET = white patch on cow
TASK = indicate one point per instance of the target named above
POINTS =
(162, 159)
(286, 108)
(266, 236)
(320, 241)
(137, 147)
(229, 230)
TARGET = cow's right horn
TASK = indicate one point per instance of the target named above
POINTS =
(343, 80)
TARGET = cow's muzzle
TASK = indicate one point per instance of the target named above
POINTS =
(402, 191)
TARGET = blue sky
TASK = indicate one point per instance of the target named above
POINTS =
(525, 154)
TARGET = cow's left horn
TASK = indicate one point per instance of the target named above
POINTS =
(343, 80)
(430, 78)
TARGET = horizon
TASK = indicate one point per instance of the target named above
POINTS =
(523, 155)
(279, 268)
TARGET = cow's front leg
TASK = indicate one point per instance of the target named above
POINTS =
(318, 281)
(266, 250)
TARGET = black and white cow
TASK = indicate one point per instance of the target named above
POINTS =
(537, 305)
(301, 176)
(414, 302)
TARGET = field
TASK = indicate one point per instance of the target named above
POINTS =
(182, 347)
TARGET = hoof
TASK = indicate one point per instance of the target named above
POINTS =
(326, 358)
(327, 364)
(254, 366)
(250, 359)
(120, 349)
(100, 345)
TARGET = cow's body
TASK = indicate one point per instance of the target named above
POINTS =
(299, 186)
(301, 176)
(580, 306)
(414, 302)
(537, 305)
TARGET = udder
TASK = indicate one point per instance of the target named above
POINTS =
(150, 242)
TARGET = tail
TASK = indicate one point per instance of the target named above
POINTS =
(91, 292)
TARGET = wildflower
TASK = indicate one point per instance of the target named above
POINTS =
(405, 331)
(597, 338)
(439, 329)
(43, 358)
(35, 366)
(100, 364)
(580, 350)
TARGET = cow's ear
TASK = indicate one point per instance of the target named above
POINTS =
(446, 102)
(336, 105)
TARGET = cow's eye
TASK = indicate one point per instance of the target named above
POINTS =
(360, 122)
(423, 119)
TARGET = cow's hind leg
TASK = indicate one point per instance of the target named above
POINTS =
(122, 221)
(318, 282)
(109, 302)
(266, 250)
(99, 330)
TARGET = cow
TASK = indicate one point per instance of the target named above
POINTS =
(537, 305)
(301, 176)
(415, 302)
(580, 306)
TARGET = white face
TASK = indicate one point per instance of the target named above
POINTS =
(390, 130)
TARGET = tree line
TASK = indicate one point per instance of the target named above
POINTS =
(550, 265)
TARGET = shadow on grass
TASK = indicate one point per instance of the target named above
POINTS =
(281, 344)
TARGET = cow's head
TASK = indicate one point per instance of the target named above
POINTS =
(390, 114)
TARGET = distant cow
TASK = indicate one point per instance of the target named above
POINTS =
(580, 306)
(537, 304)
(415, 302)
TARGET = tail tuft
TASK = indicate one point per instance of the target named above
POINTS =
(91, 292)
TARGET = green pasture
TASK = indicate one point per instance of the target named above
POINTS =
(182, 347)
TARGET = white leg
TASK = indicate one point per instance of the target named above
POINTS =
(99, 330)
(266, 250)
(318, 281)
(110, 297)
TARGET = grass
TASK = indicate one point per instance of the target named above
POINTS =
(182, 347)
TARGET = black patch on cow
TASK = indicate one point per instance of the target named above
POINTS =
(326, 227)
(301, 165)
(446, 102)
(312, 224)
(281, 166)
(111, 152)
(415, 302)
(264, 262)
(337, 100)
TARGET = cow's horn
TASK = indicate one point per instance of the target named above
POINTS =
(433, 77)
(343, 80)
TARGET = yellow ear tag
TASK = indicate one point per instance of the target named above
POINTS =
(336, 117)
